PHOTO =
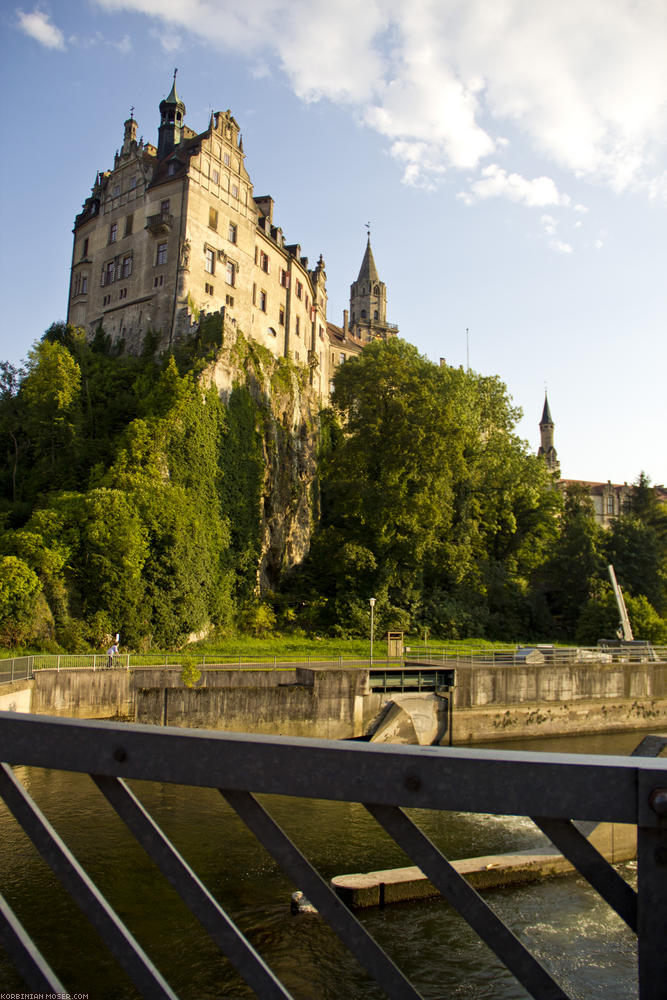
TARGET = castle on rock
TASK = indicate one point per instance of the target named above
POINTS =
(174, 231)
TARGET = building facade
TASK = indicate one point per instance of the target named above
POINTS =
(175, 231)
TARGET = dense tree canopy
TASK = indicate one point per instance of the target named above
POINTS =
(132, 498)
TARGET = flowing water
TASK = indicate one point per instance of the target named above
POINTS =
(588, 950)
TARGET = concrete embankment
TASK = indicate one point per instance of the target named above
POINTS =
(489, 702)
(615, 841)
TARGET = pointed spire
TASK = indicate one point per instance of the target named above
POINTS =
(546, 413)
(173, 97)
(368, 270)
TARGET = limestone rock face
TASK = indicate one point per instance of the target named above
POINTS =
(287, 412)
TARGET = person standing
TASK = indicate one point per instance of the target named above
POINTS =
(111, 652)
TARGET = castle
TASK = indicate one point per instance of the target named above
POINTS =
(175, 231)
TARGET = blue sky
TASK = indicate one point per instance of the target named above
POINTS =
(511, 158)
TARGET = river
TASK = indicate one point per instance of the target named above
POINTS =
(589, 951)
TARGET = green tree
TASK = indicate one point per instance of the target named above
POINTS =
(576, 570)
(50, 395)
(19, 602)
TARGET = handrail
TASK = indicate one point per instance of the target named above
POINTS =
(497, 655)
(551, 788)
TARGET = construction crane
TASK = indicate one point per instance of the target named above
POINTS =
(624, 630)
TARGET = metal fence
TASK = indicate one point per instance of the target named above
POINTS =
(535, 655)
(18, 668)
(551, 788)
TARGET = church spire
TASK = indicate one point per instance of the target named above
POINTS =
(368, 270)
(546, 448)
(368, 301)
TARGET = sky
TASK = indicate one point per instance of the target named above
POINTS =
(509, 155)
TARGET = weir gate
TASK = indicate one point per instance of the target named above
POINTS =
(552, 789)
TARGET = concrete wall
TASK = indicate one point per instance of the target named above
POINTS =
(327, 704)
(490, 702)
(16, 697)
(504, 702)
(83, 694)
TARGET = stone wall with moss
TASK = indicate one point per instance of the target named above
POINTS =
(271, 451)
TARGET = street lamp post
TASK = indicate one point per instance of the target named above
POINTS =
(372, 602)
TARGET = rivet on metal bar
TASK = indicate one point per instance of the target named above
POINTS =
(658, 801)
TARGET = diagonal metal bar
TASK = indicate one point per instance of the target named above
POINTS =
(194, 893)
(32, 965)
(589, 862)
(83, 890)
(297, 867)
(490, 928)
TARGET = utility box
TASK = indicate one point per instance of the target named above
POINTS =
(395, 645)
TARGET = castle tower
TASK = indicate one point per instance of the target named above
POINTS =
(546, 448)
(172, 113)
(130, 136)
(368, 302)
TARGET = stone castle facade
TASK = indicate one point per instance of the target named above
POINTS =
(175, 231)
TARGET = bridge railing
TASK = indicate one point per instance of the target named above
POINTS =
(552, 789)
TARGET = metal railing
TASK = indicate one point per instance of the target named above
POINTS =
(534, 655)
(25, 666)
(552, 789)
(18, 668)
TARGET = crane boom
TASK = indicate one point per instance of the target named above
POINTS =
(618, 594)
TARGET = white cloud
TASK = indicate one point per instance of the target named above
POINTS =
(560, 246)
(583, 84)
(38, 26)
(496, 182)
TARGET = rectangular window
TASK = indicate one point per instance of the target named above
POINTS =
(129, 222)
(254, 294)
(307, 303)
(229, 300)
(122, 293)
(229, 273)
(284, 278)
(297, 329)
(264, 261)
(281, 316)
(164, 207)
(226, 159)
(342, 359)
(216, 176)
(116, 190)
(213, 218)
(133, 183)
(84, 284)
(209, 289)
(610, 505)
(159, 280)
(113, 232)
(161, 254)
(233, 233)
(299, 290)
(127, 266)
(262, 300)
(84, 252)
(210, 261)
(109, 273)
(235, 191)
